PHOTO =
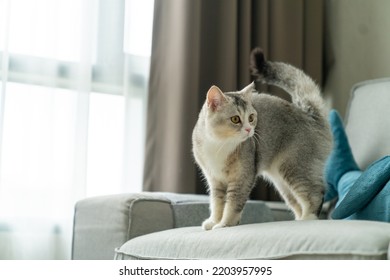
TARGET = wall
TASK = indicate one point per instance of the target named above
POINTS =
(357, 46)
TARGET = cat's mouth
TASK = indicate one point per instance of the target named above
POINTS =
(247, 134)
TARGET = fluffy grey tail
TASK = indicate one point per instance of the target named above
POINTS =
(303, 90)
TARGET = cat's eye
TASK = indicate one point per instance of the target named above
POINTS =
(251, 118)
(235, 119)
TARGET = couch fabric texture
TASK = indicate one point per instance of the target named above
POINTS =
(278, 240)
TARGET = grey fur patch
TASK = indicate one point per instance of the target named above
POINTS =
(239, 102)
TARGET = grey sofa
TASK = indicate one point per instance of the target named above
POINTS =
(167, 225)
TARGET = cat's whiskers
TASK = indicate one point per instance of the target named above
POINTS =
(258, 139)
(255, 137)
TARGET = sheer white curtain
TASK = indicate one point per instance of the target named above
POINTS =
(72, 112)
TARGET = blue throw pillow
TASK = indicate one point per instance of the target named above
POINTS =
(373, 182)
(341, 159)
(361, 194)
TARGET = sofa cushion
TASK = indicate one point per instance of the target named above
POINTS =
(367, 124)
(319, 239)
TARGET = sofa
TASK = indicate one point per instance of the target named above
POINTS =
(147, 225)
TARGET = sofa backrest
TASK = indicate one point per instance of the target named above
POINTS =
(368, 121)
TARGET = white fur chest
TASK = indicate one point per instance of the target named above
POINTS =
(212, 158)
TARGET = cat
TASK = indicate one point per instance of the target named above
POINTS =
(244, 134)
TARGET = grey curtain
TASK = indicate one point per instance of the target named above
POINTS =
(198, 43)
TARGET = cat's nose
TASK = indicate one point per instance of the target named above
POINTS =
(248, 129)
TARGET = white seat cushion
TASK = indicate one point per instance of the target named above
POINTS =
(320, 239)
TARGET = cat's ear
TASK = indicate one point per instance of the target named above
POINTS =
(215, 98)
(247, 91)
(249, 88)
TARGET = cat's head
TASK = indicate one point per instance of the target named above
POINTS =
(230, 116)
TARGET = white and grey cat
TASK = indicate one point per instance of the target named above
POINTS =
(244, 134)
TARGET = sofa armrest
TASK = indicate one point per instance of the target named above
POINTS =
(280, 211)
(104, 223)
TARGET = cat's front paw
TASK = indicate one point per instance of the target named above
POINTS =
(208, 224)
(220, 225)
(226, 224)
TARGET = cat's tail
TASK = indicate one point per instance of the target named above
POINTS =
(303, 90)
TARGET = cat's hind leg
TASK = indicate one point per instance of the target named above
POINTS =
(305, 182)
(285, 192)
(307, 188)
(310, 197)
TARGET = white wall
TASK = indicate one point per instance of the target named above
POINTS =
(357, 45)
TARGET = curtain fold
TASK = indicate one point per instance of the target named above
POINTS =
(4, 58)
(72, 101)
(197, 44)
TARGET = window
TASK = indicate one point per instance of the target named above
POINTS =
(73, 80)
